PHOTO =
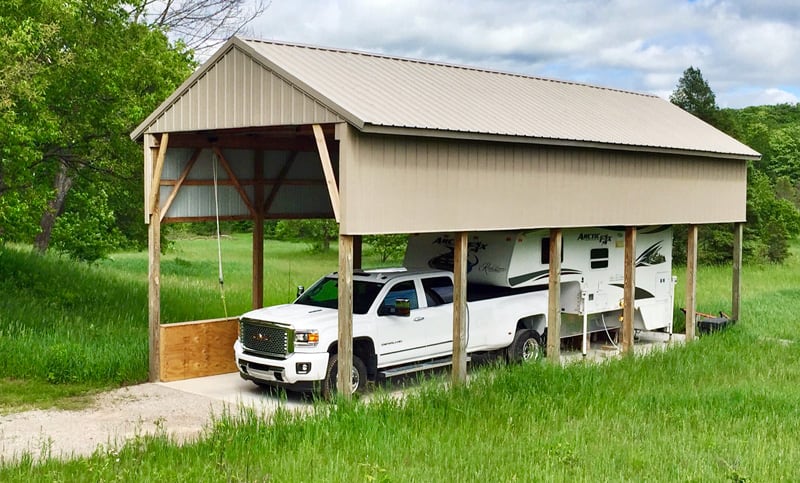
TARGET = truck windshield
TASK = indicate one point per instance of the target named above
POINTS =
(325, 293)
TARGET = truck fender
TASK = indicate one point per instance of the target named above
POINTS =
(364, 348)
(537, 323)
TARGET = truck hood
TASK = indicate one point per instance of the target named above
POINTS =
(296, 315)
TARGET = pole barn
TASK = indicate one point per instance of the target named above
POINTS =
(393, 145)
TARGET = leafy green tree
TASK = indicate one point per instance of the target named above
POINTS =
(772, 220)
(317, 233)
(82, 75)
(694, 95)
(387, 246)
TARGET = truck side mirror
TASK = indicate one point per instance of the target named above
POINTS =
(300, 290)
(402, 307)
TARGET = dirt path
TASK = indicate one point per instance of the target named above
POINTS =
(114, 418)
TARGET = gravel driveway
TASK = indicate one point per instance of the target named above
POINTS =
(179, 409)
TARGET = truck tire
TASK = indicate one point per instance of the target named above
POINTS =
(359, 380)
(526, 347)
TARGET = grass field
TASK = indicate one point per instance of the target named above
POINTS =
(724, 408)
(67, 329)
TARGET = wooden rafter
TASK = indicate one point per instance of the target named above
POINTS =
(279, 182)
(327, 168)
(237, 185)
(177, 186)
(155, 185)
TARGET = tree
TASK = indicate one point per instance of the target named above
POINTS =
(317, 233)
(387, 246)
(772, 216)
(200, 24)
(90, 76)
(694, 95)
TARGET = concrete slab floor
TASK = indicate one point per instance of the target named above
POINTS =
(231, 388)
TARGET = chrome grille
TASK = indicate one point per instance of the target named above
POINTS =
(265, 338)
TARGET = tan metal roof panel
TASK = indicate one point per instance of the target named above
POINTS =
(376, 91)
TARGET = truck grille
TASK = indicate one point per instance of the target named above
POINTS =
(266, 339)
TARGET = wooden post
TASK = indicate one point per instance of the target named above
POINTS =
(154, 264)
(554, 298)
(691, 281)
(258, 231)
(358, 248)
(154, 294)
(345, 355)
(736, 292)
(460, 309)
(629, 290)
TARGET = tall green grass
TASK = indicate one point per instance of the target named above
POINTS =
(67, 323)
(723, 408)
(720, 409)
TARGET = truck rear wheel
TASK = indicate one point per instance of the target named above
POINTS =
(526, 347)
(358, 380)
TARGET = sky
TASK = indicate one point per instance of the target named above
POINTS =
(747, 50)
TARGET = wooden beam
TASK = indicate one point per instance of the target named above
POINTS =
(554, 297)
(154, 292)
(258, 232)
(244, 182)
(460, 309)
(177, 186)
(327, 168)
(736, 289)
(150, 152)
(629, 290)
(232, 177)
(691, 281)
(279, 181)
(358, 249)
(345, 355)
(155, 184)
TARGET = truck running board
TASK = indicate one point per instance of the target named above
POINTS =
(419, 366)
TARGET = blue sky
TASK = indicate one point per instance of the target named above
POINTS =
(747, 50)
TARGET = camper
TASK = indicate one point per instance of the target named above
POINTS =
(402, 317)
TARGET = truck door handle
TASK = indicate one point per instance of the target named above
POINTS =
(417, 319)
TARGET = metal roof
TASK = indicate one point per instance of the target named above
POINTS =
(378, 93)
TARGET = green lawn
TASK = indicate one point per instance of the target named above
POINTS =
(724, 408)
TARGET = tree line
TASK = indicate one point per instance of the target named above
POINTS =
(77, 76)
(773, 182)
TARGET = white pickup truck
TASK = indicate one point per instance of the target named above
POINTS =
(402, 322)
(402, 318)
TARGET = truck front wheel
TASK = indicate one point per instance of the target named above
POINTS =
(358, 380)
(526, 346)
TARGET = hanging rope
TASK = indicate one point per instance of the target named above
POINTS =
(219, 238)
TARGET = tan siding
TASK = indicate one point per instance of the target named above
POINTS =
(407, 185)
(238, 92)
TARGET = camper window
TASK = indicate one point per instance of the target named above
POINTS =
(546, 251)
(599, 257)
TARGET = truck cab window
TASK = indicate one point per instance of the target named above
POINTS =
(402, 290)
(438, 290)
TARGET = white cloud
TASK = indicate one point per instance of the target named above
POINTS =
(744, 48)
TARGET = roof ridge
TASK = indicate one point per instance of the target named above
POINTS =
(443, 64)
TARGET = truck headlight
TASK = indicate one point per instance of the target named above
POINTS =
(306, 337)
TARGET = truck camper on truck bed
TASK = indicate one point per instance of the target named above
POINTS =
(403, 317)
